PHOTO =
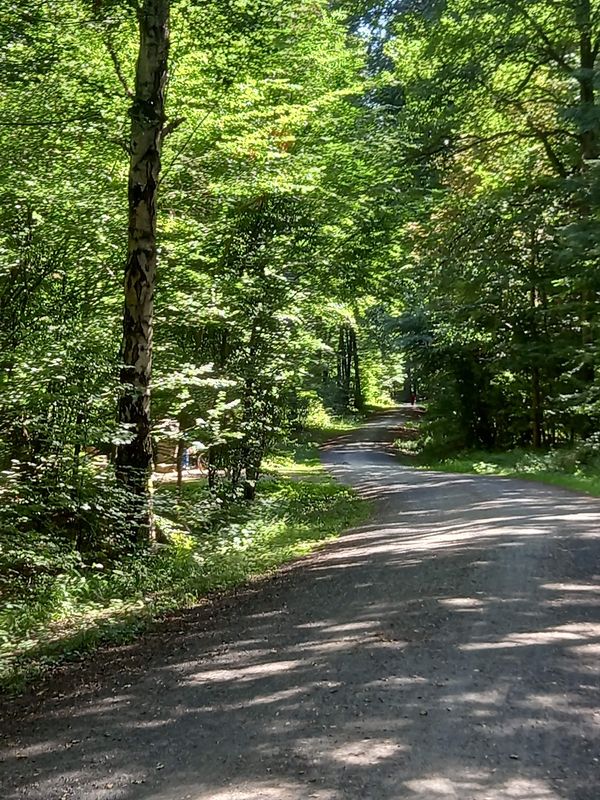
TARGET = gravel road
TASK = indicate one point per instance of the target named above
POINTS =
(447, 649)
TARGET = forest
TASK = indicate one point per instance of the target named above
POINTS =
(230, 228)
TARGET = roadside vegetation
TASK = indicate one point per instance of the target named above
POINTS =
(56, 605)
(575, 467)
(226, 218)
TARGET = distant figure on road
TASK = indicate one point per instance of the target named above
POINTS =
(413, 398)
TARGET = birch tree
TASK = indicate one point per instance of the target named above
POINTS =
(134, 458)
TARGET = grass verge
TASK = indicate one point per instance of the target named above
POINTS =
(540, 467)
(575, 468)
(299, 508)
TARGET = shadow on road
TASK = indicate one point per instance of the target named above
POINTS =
(448, 649)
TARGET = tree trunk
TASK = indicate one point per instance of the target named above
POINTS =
(537, 413)
(134, 459)
(348, 374)
(348, 365)
(586, 77)
(342, 375)
(358, 396)
(536, 408)
(180, 458)
(251, 476)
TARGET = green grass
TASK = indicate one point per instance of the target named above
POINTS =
(299, 457)
(299, 508)
(541, 467)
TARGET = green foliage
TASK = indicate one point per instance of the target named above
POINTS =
(261, 97)
(355, 203)
(500, 257)
(55, 603)
(571, 468)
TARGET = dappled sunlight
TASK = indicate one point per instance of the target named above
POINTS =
(259, 791)
(434, 787)
(525, 789)
(484, 788)
(463, 603)
(574, 587)
(351, 627)
(561, 634)
(365, 752)
(246, 673)
(276, 697)
(488, 697)
(152, 724)
(590, 649)
(447, 649)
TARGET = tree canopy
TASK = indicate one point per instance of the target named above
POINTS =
(219, 219)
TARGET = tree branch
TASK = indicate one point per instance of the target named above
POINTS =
(540, 134)
(550, 48)
(551, 153)
(467, 143)
(172, 126)
(185, 144)
(117, 65)
(43, 122)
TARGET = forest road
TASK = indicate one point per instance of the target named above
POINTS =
(449, 648)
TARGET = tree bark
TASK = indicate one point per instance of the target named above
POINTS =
(536, 408)
(358, 395)
(589, 152)
(586, 77)
(134, 459)
(348, 375)
(180, 459)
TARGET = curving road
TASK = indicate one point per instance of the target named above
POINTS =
(450, 648)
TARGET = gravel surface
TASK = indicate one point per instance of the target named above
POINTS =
(447, 649)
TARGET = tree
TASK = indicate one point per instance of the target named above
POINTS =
(134, 457)
(499, 121)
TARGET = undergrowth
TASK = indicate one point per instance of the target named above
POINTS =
(56, 606)
(574, 467)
